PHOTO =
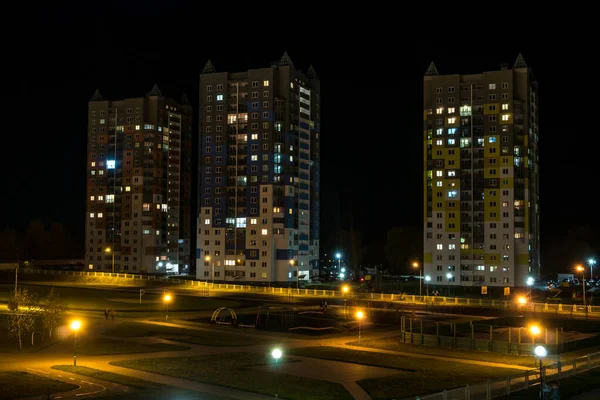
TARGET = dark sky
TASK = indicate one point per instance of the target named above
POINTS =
(371, 81)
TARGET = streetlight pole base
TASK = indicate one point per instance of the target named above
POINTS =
(74, 361)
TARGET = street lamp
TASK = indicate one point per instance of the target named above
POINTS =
(416, 265)
(292, 262)
(276, 353)
(530, 282)
(541, 352)
(580, 268)
(359, 315)
(167, 299)
(109, 250)
(592, 262)
(207, 259)
(75, 326)
(345, 290)
(522, 300)
(427, 279)
(339, 257)
(534, 330)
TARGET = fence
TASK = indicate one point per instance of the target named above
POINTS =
(504, 387)
(437, 301)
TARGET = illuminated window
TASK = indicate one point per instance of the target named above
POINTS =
(92, 198)
(164, 207)
(451, 141)
(492, 139)
(439, 131)
(265, 83)
(439, 142)
(451, 131)
(100, 198)
(128, 188)
(91, 215)
(207, 221)
(93, 163)
(146, 206)
(253, 221)
(505, 106)
(101, 172)
(452, 193)
(451, 247)
(504, 117)
(438, 183)
(452, 120)
(451, 110)
(439, 110)
(264, 232)
(110, 198)
(219, 97)
(492, 86)
(451, 173)
(440, 247)
(137, 127)
(99, 215)
(439, 173)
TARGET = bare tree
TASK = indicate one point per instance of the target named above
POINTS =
(52, 311)
(23, 308)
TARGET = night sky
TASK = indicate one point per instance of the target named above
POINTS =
(371, 82)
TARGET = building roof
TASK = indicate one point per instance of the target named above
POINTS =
(312, 74)
(209, 68)
(520, 62)
(97, 96)
(185, 101)
(431, 70)
(285, 61)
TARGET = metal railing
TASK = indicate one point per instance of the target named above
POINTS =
(510, 384)
(437, 301)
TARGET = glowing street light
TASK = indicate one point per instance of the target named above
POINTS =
(359, 315)
(345, 290)
(167, 299)
(207, 259)
(535, 330)
(339, 257)
(415, 264)
(522, 300)
(75, 326)
(276, 354)
(592, 262)
(541, 352)
(530, 282)
(427, 279)
(580, 268)
(292, 262)
(108, 250)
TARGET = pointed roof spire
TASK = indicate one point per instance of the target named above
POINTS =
(185, 101)
(285, 61)
(209, 68)
(155, 91)
(432, 70)
(520, 62)
(97, 96)
(312, 74)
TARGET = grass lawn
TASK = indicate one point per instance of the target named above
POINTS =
(125, 300)
(193, 336)
(148, 389)
(415, 376)
(17, 384)
(395, 344)
(101, 347)
(236, 370)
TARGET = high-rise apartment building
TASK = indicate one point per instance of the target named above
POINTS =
(259, 174)
(139, 188)
(481, 182)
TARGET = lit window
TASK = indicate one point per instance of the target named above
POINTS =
(265, 83)
(504, 117)
(100, 198)
(439, 131)
(219, 97)
(102, 121)
(92, 198)
(254, 136)
(93, 163)
(146, 206)
(492, 86)
(439, 142)
(99, 215)
(505, 106)
(451, 173)
(451, 141)
(451, 247)
(452, 193)
(101, 172)
(438, 183)
(207, 221)
(110, 198)
(439, 110)
(451, 131)
(440, 247)
(492, 139)
(264, 232)
(128, 188)
(110, 164)
(137, 127)
(451, 110)
(91, 215)
(452, 120)
(253, 221)
(439, 173)
(254, 157)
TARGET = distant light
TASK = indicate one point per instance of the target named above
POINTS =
(535, 330)
(540, 351)
(360, 315)
(111, 164)
(449, 275)
(75, 325)
(522, 300)
(338, 256)
(343, 270)
(167, 298)
(427, 278)
(530, 281)
(345, 289)
(160, 264)
(342, 276)
(276, 354)
(591, 261)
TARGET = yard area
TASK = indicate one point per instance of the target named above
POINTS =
(17, 384)
(237, 370)
(205, 337)
(101, 347)
(415, 377)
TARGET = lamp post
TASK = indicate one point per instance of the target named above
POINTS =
(427, 279)
(75, 326)
(592, 262)
(345, 289)
(207, 259)
(416, 265)
(109, 250)
(541, 352)
(530, 282)
(276, 353)
(167, 299)
(580, 268)
(339, 257)
(292, 262)
(359, 315)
